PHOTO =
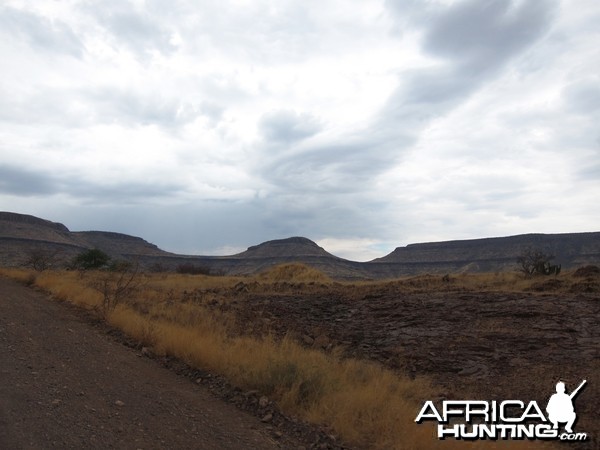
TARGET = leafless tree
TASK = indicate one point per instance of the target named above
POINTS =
(536, 262)
(117, 285)
(41, 259)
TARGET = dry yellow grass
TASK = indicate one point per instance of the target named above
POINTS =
(362, 402)
(293, 273)
(486, 282)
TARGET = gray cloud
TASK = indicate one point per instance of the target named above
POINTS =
(40, 32)
(481, 34)
(140, 30)
(285, 127)
(79, 107)
(118, 105)
(590, 170)
(45, 105)
(584, 96)
(212, 111)
(25, 182)
(259, 32)
(476, 39)
(333, 168)
(126, 192)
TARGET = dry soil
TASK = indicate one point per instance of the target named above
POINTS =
(65, 383)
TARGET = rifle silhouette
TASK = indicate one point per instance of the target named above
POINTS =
(574, 393)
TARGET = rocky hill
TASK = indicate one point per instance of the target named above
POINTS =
(298, 246)
(21, 234)
(294, 249)
(21, 226)
(491, 254)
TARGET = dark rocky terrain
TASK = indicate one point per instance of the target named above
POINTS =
(22, 234)
(472, 342)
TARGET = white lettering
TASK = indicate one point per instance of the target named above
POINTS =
(471, 410)
(456, 412)
(496, 420)
(545, 431)
(487, 431)
(453, 431)
(423, 416)
(503, 410)
(535, 415)
(573, 437)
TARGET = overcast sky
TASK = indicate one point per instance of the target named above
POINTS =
(208, 126)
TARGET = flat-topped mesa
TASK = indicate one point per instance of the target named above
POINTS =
(24, 228)
(21, 233)
(32, 220)
(500, 252)
(290, 247)
(118, 243)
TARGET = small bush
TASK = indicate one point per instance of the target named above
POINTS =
(93, 259)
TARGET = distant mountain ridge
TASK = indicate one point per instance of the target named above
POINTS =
(20, 234)
(496, 254)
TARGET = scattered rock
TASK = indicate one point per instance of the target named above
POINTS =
(263, 402)
(241, 287)
(308, 340)
(321, 341)
(119, 403)
(469, 371)
(267, 418)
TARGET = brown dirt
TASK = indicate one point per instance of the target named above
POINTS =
(65, 382)
(473, 345)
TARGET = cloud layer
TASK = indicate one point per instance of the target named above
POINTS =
(217, 125)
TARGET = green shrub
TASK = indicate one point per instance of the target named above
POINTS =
(90, 260)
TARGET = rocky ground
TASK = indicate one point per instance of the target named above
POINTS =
(473, 344)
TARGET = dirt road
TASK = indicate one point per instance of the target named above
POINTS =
(65, 384)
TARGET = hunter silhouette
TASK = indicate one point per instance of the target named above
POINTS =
(560, 407)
